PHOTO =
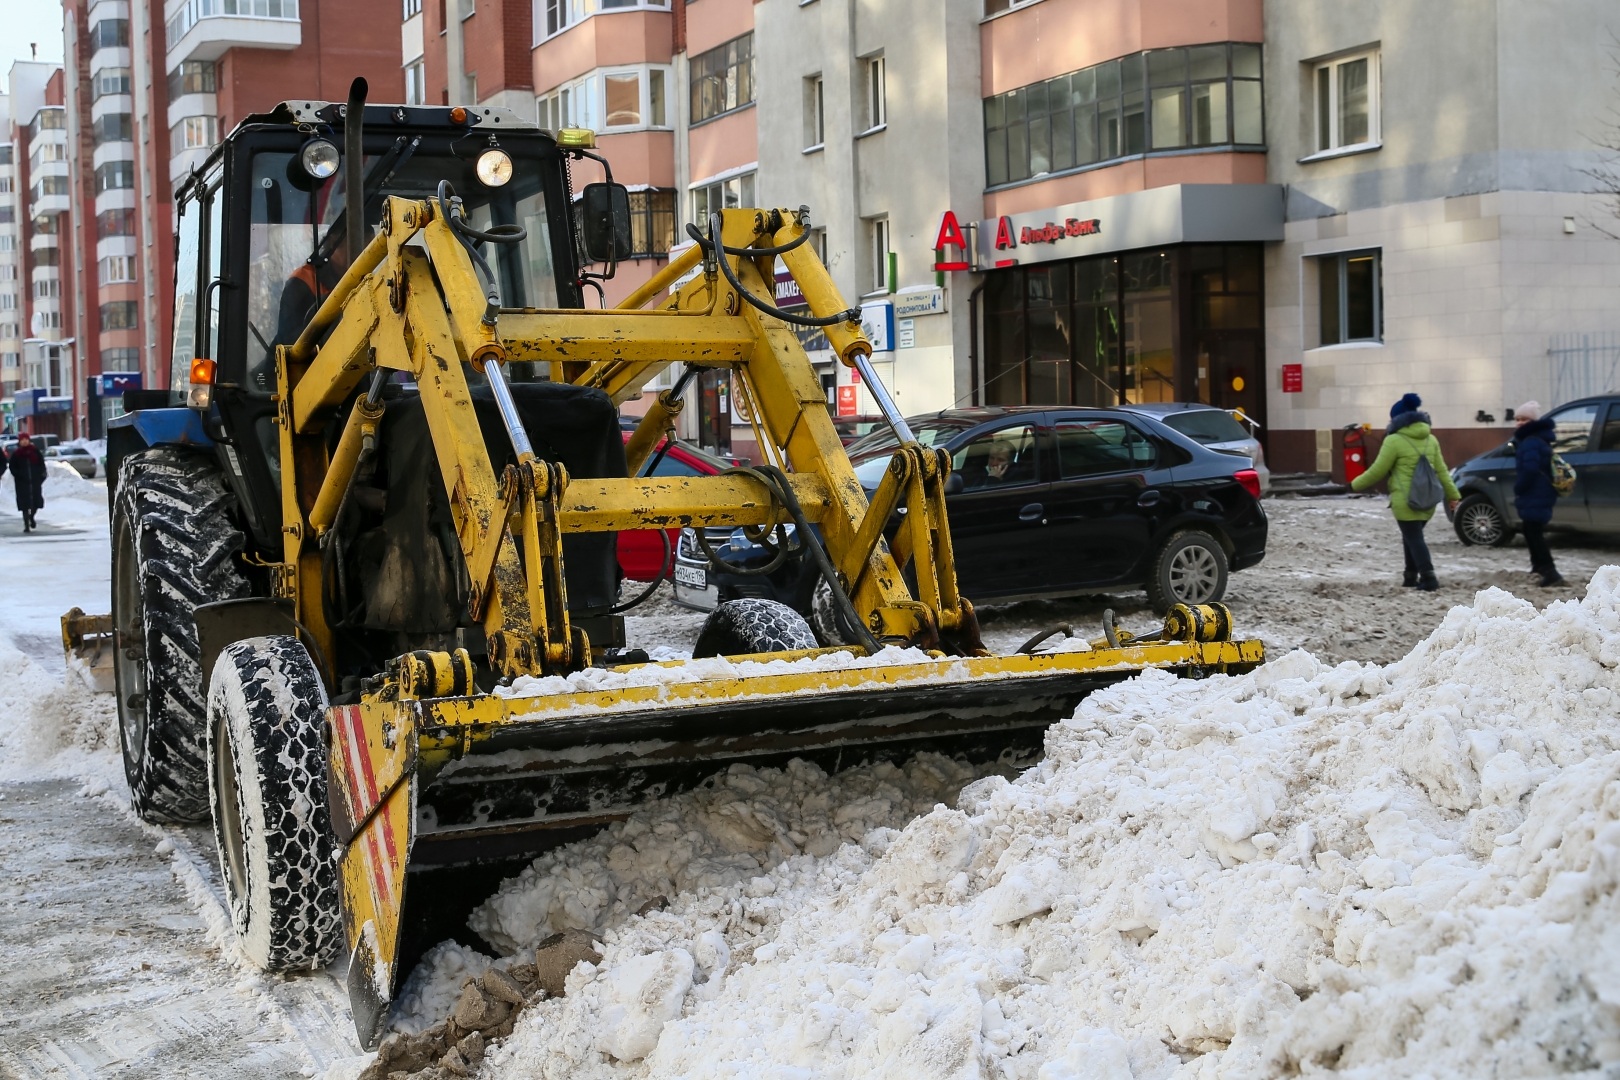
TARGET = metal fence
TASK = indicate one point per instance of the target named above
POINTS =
(1584, 364)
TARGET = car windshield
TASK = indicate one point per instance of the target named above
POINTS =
(284, 282)
(1206, 425)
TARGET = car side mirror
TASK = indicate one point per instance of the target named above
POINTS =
(605, 222)
(953, 484)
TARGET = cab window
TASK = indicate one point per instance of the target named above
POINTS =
(1090, 447)
(1001, 458)
(672, 466)
(1611, 429)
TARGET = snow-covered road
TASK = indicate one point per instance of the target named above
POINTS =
(113, 954)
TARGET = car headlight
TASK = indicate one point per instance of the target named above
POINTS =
(494, 167)
(319, 158)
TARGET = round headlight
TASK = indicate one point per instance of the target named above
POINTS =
(319, 158)
(494, 168)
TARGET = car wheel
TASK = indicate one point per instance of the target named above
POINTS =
(1480, 524)
(825, 619)
(744, 627)
(1190, 569)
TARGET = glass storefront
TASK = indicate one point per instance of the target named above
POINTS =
(1178, 324)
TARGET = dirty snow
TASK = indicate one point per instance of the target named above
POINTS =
(1400, 871)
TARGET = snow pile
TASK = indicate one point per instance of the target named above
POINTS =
(44, 718)
(1408, 871)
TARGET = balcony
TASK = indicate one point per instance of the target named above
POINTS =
(207, 29)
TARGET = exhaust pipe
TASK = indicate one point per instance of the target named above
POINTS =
(354, 173)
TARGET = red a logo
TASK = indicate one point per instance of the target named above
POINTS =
(1004, 234)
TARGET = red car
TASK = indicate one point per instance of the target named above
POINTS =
(641, 553)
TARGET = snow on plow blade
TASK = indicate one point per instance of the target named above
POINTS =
(425, 792)
(87, 641)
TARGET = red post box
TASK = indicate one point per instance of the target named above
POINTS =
(1355, 451)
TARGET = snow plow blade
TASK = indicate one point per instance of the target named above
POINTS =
(87, 641)
(436, 799)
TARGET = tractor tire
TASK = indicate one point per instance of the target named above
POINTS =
(1189, 569)
(1480, 524)
(174, 547)
(826, 621)
(740, 627)
(267, 789)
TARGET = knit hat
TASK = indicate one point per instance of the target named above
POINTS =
(1530, 410)
(1408, 403)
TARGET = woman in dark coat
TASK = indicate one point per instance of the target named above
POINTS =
(28, 476)
(1533, 492)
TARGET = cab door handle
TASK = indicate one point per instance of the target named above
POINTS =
(1031, 512)
(1148, 498)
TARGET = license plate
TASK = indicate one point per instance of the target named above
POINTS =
(694, 577)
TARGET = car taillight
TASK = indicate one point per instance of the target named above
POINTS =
(1250, 481)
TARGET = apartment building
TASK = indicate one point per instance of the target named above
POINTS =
(150, 88)
(11, 299)
(1445, 231)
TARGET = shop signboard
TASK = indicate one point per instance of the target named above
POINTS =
(1293, 378)
(115, 383)
(25, 402)
(848, 400)
(877, 323)
(54, 404)
(1177, 214)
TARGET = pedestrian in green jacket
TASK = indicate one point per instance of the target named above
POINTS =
(1405, 440)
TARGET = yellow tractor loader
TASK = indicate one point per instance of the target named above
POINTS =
(359, 568)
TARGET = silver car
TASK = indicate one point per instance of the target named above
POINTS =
(1215, 428)
(83, 462)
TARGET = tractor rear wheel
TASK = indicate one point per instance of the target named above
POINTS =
(267, 787)
(741, 627)
(174, 547)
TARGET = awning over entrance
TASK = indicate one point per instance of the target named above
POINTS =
(1181, 214)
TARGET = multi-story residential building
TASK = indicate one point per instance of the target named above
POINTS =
(11, 300)
(1445, 230)
(153, 87)
(44, 401)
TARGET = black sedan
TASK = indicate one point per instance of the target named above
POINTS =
(1043, 503)
(1588, 437)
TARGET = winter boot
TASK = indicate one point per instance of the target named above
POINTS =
(1427, 583)
(1410, 580)
(1551, 579)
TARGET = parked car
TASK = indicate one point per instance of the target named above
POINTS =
(1215, 428)
(83, 462)
(851, 429)
(44, 442)
(1588, 437)
(642, 556)
(1043, 503)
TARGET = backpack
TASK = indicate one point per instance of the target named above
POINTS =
(1425, 492)
(1563, 475)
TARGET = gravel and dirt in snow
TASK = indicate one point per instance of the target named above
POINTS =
(1304, 869)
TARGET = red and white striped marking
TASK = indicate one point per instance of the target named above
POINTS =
(380, 849)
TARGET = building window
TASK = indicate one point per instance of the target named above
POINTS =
(120, 222)
(47, 152)
(116, 268)
(880, 256)
(621, 94)
(815, 112)
(192, 77)
(877, 109)
(193, 133)
(11, 360)
(111, 34)
(8, 271)
(5, 154)
(7, 241)
(49, 185)
(112, 80)
(114, 127)
(7, 216)
(555, 16)
(1207, 95)
(115, 176)
(5, 184)
(118, 315)
(50, 256)
(416, 83)
(1347, 103)
(123, 358)
(50, 118)
(1352, 297)
(192, 10)
(720, 195)
(652, 223)
(49, 289)
(412, 7)
(612, 100)
(723, 78)
(996, 7)
(8, 301)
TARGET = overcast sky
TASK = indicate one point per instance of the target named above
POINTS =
(25, 21)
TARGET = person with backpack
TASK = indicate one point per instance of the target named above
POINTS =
(1534, 488)
(1418, 481)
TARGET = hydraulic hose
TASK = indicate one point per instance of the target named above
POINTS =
(710, 244)
(450, 209)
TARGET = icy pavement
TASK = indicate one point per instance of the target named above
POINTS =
(115, 957)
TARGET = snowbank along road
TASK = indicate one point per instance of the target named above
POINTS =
(1407, 870)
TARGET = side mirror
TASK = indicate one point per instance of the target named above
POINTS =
(605, 222)
(953, 484)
